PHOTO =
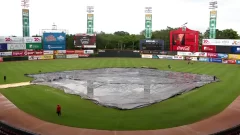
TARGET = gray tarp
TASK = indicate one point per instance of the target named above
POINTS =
(123, 88)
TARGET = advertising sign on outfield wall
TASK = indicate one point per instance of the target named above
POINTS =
(222, 55)
(3, 47)
(48, 52)
(34, 57)
(46, 57)
(235, 49)
(149, 56)
(16, 40)
(19, 53)
(59, 51)
(83, 55)
(212, 55)
(71, 56)
(203, 59)
(217, 60)
(79, 52)
(33, 46)
(32, 53)
(208, 48)
(70, 51)
(16, 47)
(234, 56)
(221, 42)
(4, 54)
(60, 56)
(237, 61)
(225, 61)
(231, 61)
(177, 57)
(32, 39)
(88, 52)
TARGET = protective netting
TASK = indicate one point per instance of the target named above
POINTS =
(123, 88)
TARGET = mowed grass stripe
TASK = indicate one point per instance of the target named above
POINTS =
(185, 109)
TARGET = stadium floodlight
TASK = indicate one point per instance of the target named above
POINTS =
(25, 3)
(148, 10)
(213, 5)
(90, 9)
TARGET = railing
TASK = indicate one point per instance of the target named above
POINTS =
(6, 129)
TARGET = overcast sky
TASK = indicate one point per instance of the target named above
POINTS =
(116, 15)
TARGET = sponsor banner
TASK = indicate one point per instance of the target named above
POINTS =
(231, 61)
(5, 54)
(34, 46)
(208, 48)
(35, 57)
(88, 51)
(71, 56)
(54, 47)
(221, 42)
(32, 39)
(177, 57)
(60, 56)
(192, 58)
(222, 55)
(88, 46)
(149, 56)
(224, 61)
(234, 56)
(16, 47)
(78, 51)
(3, 47)
(237, 61)
(83, 55)
(19, 53)
(203, 59)
(59, 51)
(235, 49)
(16, 40)
(70, 51)
(54, 39)
(212, 55)
(202, 54)
(47, 52)
(183, 48)
(165, 56)
(1, 59)
(32, 53)
(46, 57)
(217, 60)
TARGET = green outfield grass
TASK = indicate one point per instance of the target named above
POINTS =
(40, 101)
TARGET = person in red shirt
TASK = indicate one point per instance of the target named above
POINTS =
(59, 110)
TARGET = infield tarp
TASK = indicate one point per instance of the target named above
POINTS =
(123, 88)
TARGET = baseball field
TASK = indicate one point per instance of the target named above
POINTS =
(41, 101)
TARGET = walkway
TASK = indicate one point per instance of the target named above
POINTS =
(10, 114)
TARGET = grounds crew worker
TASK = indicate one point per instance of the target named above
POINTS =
(59, 110)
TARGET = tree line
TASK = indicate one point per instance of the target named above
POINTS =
(122, 40)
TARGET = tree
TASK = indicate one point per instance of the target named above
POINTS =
(223, 34)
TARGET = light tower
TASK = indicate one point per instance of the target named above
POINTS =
(25, 18)
(90, 20)
(148, 22)
(213, 19)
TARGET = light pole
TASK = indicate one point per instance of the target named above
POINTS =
(148, 22)
(213, 19)
(25, 18)
(90, 20)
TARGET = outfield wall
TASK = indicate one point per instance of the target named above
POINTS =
(199, 56)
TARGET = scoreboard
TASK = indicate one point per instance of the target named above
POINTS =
(152, 45)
